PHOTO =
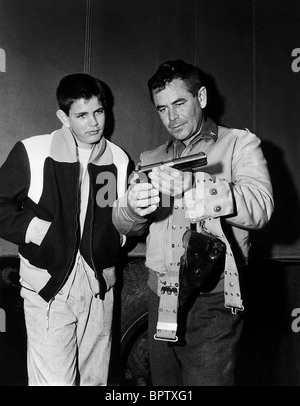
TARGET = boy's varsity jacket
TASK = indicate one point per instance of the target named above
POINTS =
(40, 178)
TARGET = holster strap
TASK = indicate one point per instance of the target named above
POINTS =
(232, 293)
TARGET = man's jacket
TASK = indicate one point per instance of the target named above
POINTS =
(40, 178)
(231, 196)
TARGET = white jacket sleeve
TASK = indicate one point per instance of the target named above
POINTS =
(246, 199)
(126, 221)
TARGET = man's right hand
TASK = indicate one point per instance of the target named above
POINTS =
(143, 198)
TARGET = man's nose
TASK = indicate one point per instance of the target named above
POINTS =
(173, 115)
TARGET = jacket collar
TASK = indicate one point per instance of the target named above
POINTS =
(64, 147)
(209, 130)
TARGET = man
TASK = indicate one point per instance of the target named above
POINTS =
(228, 197)
(56, 205)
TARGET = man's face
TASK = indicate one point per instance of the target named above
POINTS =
(180, 112)
(86, 120)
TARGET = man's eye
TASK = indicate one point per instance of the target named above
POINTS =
(100, 111)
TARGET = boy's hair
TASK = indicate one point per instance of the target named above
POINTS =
(178, 69)
(78, 86)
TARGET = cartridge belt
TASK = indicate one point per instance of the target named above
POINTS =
(169, 284)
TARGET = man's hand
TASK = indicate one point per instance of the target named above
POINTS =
(170, 181)
(143, 198)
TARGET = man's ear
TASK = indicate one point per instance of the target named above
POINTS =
(202, 97)
(63, 118)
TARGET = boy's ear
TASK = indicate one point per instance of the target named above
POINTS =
(63, 118)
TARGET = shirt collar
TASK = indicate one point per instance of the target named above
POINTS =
(209, 130)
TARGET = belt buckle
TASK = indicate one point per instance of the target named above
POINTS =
(234, 310)
(173, 340)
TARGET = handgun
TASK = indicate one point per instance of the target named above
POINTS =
(186, 163)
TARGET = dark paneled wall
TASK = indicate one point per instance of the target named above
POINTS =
(277, 106)
(130, 41)
(245, 51)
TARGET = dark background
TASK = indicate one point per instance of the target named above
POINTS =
(245, 51)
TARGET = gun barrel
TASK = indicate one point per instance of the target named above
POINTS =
(185, 163)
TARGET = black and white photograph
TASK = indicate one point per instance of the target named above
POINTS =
(149, 195)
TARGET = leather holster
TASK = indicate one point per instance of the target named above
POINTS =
(201, 265)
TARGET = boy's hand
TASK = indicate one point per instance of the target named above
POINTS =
(143, 198)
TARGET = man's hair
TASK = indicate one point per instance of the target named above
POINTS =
(78, 86)
(178, 69)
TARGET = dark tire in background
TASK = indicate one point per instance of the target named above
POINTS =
(134, 360)
(13, 341)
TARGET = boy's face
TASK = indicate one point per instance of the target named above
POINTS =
(86, 120)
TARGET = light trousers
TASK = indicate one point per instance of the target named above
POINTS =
(69, 339)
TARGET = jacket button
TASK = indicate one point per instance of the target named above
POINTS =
(217, 208)
(213, 191)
